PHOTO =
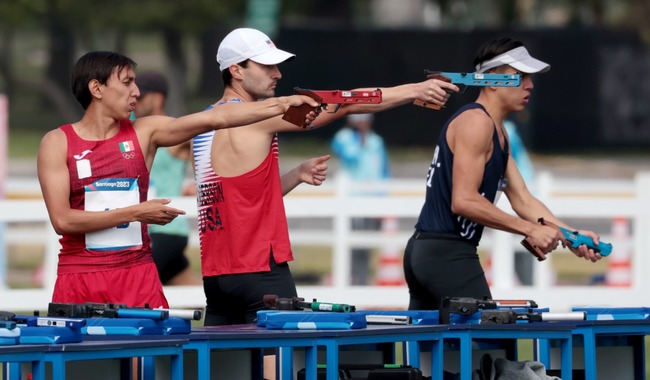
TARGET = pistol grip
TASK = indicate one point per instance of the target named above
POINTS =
(432, 75)
(533, 249)
(420, 103)
(296, 115)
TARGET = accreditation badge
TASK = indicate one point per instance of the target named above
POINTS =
(110, 194)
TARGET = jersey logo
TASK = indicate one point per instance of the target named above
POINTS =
(82, 155)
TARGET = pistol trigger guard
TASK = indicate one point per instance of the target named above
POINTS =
(336, 108)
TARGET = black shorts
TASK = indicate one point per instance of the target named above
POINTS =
(438, 266)
(236, 298)
(169, 254)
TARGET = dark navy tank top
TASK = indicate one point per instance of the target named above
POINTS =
(436, 215)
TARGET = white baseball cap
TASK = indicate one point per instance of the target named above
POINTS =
(518, 58)
(246, 43)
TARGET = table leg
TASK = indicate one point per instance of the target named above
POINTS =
(567, 358)
(437, 359)
(589, 347)
(465, 357)
(38, 370)
(177, 366)
(412, 354)
(332, 360)
(543, 352)
(58, 366)
(284, 364)
(11, 371)
(203, 360)
(311, 363)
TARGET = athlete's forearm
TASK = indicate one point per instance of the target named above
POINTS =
(81, 222)
(290, 180)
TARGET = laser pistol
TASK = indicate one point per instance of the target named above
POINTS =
(464, 80)
(296, 115)
(103, 310)
(502, 317)
(572, 238)
(298, 303)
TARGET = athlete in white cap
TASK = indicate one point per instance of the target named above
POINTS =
(471, 167)
(245, 247)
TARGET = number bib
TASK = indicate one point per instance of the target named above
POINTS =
(110, 194)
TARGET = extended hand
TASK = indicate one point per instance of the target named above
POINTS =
(544, 239)
(435, 91)
(583, 251)
(155, 212)
(314, 170)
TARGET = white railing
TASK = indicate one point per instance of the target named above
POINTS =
(594, 200)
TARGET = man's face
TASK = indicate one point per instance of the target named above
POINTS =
(516, 98)
(259, 80)
(120, 92)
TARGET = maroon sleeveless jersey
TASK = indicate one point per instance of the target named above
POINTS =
(105, 175)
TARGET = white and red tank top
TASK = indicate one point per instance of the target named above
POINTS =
(241, 219)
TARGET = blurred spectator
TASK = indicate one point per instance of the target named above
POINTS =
(363, 158)
(169, 241)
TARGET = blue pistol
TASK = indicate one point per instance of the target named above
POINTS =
(572, 238)
(464, 80)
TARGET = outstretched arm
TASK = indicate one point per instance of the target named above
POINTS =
(432, 91)
(157, 131)
(312, 171)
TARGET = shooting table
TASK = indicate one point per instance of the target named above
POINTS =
(589, 335)
(505, 335)
(59, 354)
(205, 339)
(23, 353)
(541, 330)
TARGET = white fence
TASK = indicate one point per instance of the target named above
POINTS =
(583, 199)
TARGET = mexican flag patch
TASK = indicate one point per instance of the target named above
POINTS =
(126, 146)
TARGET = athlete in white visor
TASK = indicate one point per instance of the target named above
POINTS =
(471, 168)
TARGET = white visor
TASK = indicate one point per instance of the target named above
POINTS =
(517, 58)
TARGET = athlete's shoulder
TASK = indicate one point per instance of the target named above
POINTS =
(55, 136)
(475, 117)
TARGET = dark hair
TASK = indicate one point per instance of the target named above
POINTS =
(152, 81)
(495, 47)
(227, 77)
(95, 65)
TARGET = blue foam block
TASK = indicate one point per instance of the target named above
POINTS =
(309, 320)
(49, 335)
(615, 313)
(9, 337)
(122, 326)
(174, 325)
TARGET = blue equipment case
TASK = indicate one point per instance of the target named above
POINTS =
(615, 313)
(309, 320)
(122, 326)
